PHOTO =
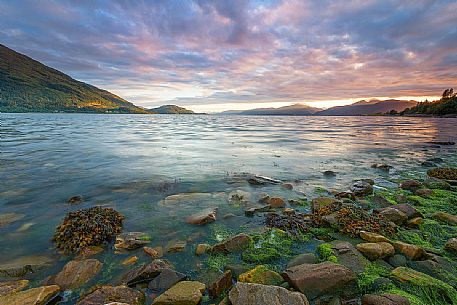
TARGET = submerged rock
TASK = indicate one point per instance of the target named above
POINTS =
(107, 294)
(262, 180)
(154, 253)
(306, 258)
(239, 197)
(256, 294)
(445, 217)
(202, 249)
(25, 265)
(185, 293)
(443, 173)
(75, 199)
(203, 217)
(131, 240)
(175, 246)
(76, 273)
(394, 215)
(9, 287)
(8, 218)
(36, 296)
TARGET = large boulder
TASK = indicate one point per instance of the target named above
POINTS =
(412, 252)
(374, 251)
(145, 272)
(166, 279)
(203, 217)
(384, 299)
(394, 215)
(8, 218)
(76, 273)
(373, 237)
(131, 240)
(257, 294)
(183, 293)
(316, 280)
(408, 209)
(234, 244)
(35, 296)
(220, 284)
(348, 256)
(9, 287)
(108, 294)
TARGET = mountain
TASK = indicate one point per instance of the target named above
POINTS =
(27, 85)
(171, 109)
(295, 109)
(446, 106)
(368, 108)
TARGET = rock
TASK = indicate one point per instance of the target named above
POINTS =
(412, 252)
(203, 217)
(275, 202)
(410, 185)
(448, 174)
(451, 245)
(394, 215)
(423, 192)
(175, 246)
(25, 227)
(228, 215)
(107, 294)
(131, 240)
(255, 209)
(75, 199)
(329, 174)
(202, 249)
(409, 210)
(442, 143)
(8, 218)
(287, 186)
(261, 275)
(239, 197)
(384, 299)
(21, 266)
(306, 258)
(381, 201)
(166, 279)
(154, 253)
(262, 180)
(348, 256)
(35, 296)
(345, 195)
(320, 202)
(221, 284)
(373, 237)
(90, 251)
(183, 293)
(414, 222)
(234, 244)
(256, 294)
(237, 270)
(145, 273)
(76, 273)
(428, 164)
(383, 167)
(9, 287)
(438, 267)
(397, 260)
(361, 188)
(316, 280)
(130, 260)
(374, 251)
(445, 217)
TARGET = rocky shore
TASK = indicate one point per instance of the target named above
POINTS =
(369, 244)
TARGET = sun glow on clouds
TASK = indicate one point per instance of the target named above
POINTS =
(213, 55)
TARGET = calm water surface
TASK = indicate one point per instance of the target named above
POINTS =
(132, 162)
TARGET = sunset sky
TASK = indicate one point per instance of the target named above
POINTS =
(217, 55)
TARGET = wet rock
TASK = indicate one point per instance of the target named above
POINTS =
(374, 251)
(262, 180)
(383, 167)
(316, 280)
(412, 252)
(9, 287)
(166, 279)
(131, 240)
(256, 209)
(373, 237)
(329, 174)
(256, 294)
(261, 275)
(76, 273)
(348, 256)
(36, 296)
(21, 266)
(154, 253)
(381, 201)
(237, 270)
(90, 251)
(220, 284)
(175, 246)
(438, 267)
(203, 217)
(408, 209)
(287, 186)
(8, 218)
(444, 143)
(414, 222)
(145, 272)
(345, 195)
(423, 192)
(130, 261)
(361, 188)
(234, 244)
(428, 164)
(410, 185)
(75, 199)
(202, 249)
(25, 227)
(239, 197)
(451, 245)
(445, 217)
(306, 258)
(275, 202)
(185, 293)
(320, 202)
(397, 260)
(384, 299)
(292, 223)
(107, 294)
(394, 215)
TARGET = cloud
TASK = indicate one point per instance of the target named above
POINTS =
(214, 52)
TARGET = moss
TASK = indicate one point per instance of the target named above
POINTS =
(437, 233)
(372, 272)
(322, 232)
(414, 237)
(268, 247)
(439, 200)
(219, 232)
(326, 253)
(218, 261)
(261, 275)
(414, 300)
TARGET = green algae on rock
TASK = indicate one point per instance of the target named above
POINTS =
(87, 227)
(444, 173)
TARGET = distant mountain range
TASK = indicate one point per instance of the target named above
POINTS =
(170, 109)
(362, 107)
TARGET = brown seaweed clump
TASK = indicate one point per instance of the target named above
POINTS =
(294, 224)
(446, 173)
(87, 227)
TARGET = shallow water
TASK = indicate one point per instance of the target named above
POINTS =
(133, 162)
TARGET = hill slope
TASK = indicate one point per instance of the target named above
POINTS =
(368, 108)
(26, 85)
(296, 109)
(446, 106)
(171, 109)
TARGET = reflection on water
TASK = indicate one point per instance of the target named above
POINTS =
(132, 162)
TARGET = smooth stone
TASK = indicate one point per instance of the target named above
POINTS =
(347, 255)
(166, 279)
(131, 240)
(8, 218)
(306, 258)
(445, 217)
(175, 246)
(220, 284)
(384, 299)
(257, 294)
(362, 188)
(203, 217)
(374, 251)
(130, 261)
(287, 186)
(423, 192)
(261, 275)
(316, 280)
(329, 174)
(76, 273)
(183, 293)
(35, 296)
(381, 201)
(9, 287)
(234, 244)
(397, 260)
(412, 252)
(202, 249)
(145, 272)
(373, 237)
(410, 185)
(24, 265)
(394, 215)
(107, 294)
(408, 209)
(154, 253)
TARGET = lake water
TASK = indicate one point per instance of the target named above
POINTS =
(133, 162)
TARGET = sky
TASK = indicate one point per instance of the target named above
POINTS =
(213, 55)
